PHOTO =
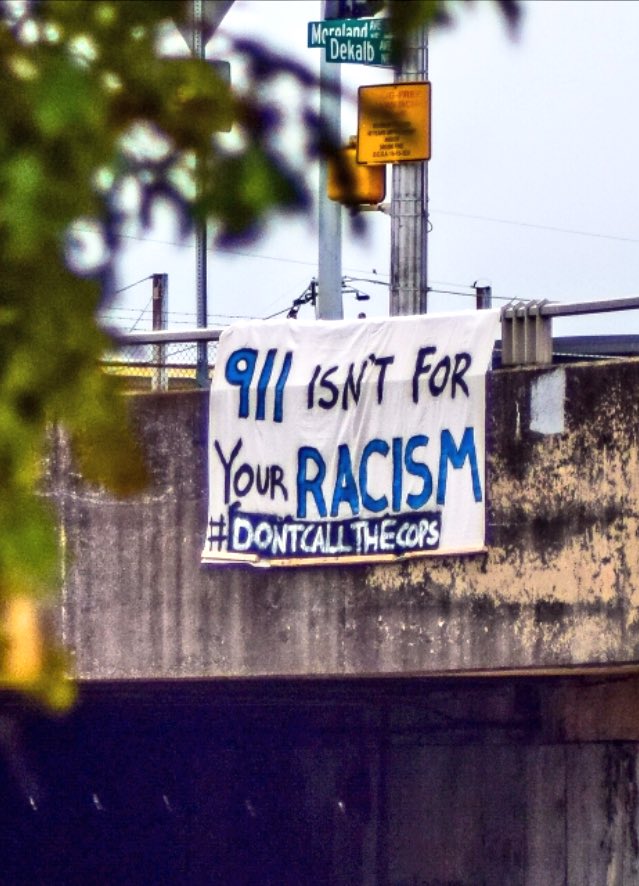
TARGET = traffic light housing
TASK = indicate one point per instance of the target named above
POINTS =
(352, 8)
(352, 183)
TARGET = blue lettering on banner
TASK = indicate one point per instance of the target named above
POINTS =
(349, 490)
(457, 455)
(267, 536)
(329, 452)
(239, 371)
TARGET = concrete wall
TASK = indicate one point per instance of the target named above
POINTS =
(526, 781)
(558, 585)
(514, 782)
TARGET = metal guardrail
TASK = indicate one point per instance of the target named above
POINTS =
(168, 359)
(526, 327)
(165, 336)
(162, 360)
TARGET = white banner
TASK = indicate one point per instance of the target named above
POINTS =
(348, 441)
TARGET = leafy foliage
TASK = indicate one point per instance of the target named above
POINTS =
(96, 127)
(406, 18)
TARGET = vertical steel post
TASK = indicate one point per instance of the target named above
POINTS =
(201, 289)
(329, 296)
(483, 295)
(159, 381)
(409, 208)
(205, 17)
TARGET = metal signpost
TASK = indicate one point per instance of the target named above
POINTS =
(206, 16)
(329, 262)
(333, 27)
(393, 127)
(409, 206)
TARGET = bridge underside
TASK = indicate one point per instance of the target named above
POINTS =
(342, 782)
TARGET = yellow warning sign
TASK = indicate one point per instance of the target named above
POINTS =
(393, 123)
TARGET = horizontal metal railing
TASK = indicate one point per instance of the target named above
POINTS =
(571, 309)
(163, 359)
(526, 327)
(165, 336)
(169, 359)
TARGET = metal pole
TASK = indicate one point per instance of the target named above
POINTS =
(409, 209)
(329, 300)
(202, 369)
(483, 295)
(159, 381)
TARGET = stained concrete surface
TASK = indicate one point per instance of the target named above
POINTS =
(558, 585)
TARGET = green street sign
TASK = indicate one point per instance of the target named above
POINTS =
(319, 33)
(359, 51)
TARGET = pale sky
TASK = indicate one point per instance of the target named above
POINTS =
(533, 182)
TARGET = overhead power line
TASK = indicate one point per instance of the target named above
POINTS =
(474, 216)
(131, 285)
(218, 251)
(523, 224)
(142, 313)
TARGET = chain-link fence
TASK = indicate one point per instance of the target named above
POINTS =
(164, 361)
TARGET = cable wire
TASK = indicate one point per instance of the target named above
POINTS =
(213, 250)
(305, 297)
(521, 224)
(142, 313)
(131, 285)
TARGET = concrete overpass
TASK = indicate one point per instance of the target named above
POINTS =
(556, 587)
(457, 720)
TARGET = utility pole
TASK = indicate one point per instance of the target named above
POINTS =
(198, 48)
(159, 381)
(483, 295)
(329, 298)
(409, 208)
(206, 16)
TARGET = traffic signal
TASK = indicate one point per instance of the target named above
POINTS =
(353, 183)
(352, 8)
